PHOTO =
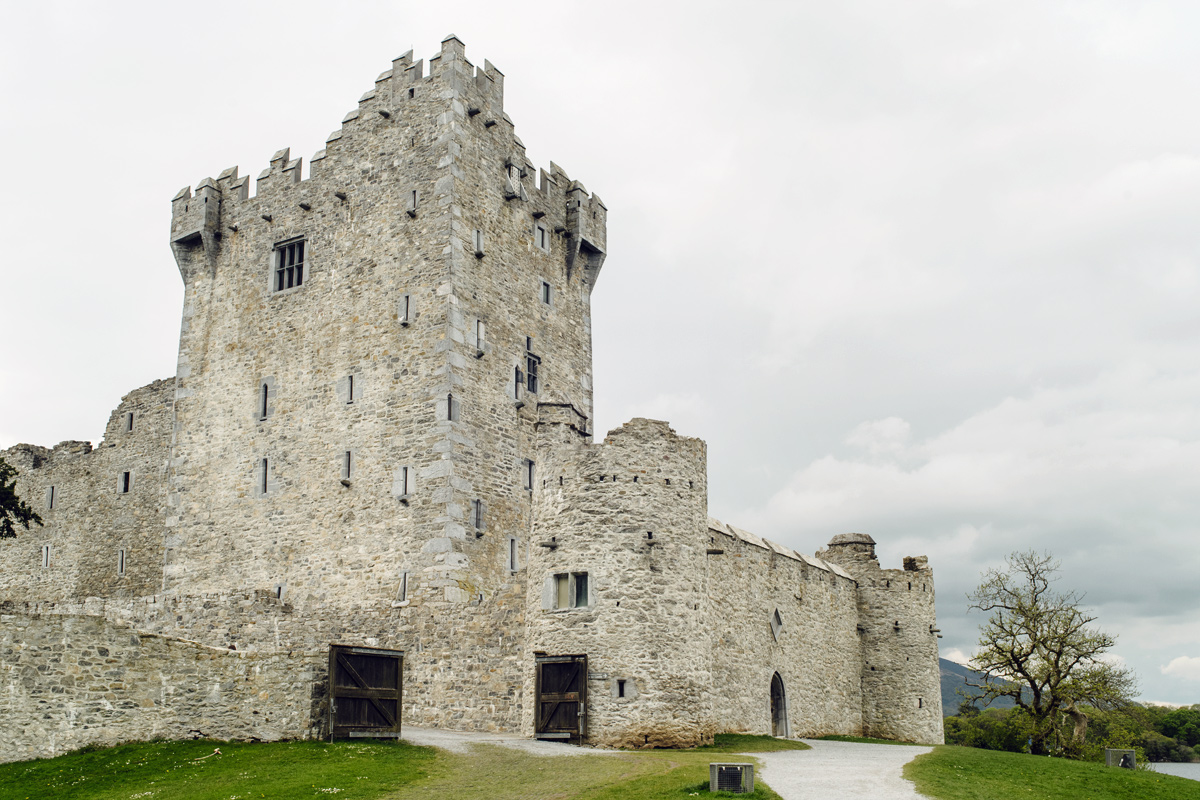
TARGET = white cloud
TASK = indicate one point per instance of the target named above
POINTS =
(1185, 667)
(881, 436)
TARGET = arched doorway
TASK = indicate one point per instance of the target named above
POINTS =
(779, 721)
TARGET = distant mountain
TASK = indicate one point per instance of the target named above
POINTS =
(954, 681)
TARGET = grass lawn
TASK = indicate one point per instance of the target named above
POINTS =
(367, 770)
(965, 773)
(866, 740)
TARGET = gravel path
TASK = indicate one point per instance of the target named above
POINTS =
(841, 771)
(830, 771)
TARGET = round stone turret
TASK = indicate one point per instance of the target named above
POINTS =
(849, 549)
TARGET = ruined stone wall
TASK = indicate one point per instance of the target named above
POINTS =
(92, 518)
(815, 650)
(69, 681)
(629, 513)
(900, 674)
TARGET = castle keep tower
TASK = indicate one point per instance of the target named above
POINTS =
(378, 443)
(362, 361)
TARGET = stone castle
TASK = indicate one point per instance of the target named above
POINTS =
(379, 436)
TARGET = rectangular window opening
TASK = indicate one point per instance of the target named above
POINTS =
(581, 590)
(545, 293)
(532, 364)
(477, 514)
(50, 498)
(45, 556)
(405, 484)
(620, 688)
(126, 482)
(512, 554)
(562, 587)
(264, 394)
(349, 389)
(480, 335)
(529, 474)
(121, 562)
(347, 464)
(263, 486)
(289, 265)
(402, 590)
(478, 243)
(129, 422)
(920, 702)
(405, 309)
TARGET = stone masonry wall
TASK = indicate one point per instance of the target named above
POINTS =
(69, 681)
(628, 513)
(816, 650)
(92, 519)
(392, 298)
(900, 675)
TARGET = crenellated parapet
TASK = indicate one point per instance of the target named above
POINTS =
(406, 133)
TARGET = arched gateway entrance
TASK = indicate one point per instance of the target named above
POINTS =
(779, 721)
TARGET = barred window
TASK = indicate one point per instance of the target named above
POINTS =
(289, 265)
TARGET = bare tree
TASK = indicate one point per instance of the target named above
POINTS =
(1038, 647)
(11, 506)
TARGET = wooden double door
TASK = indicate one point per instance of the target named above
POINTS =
(366, 690)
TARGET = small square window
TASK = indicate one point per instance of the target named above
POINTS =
(571, 590)
(289, 265)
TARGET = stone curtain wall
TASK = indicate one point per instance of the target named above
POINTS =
(69, 681)
(92, 519)
(816, 650)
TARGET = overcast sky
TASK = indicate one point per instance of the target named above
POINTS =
(925, 270)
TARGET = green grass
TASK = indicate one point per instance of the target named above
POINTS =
(965, 773)
(190, 769)
(750, 743)
(865, 740)
(368, 770)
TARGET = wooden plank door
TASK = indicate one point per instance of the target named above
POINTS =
(366, 688)
(561, 688)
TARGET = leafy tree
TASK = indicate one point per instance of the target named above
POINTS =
(1183, 724)
(1039, 648)
(13, 508)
